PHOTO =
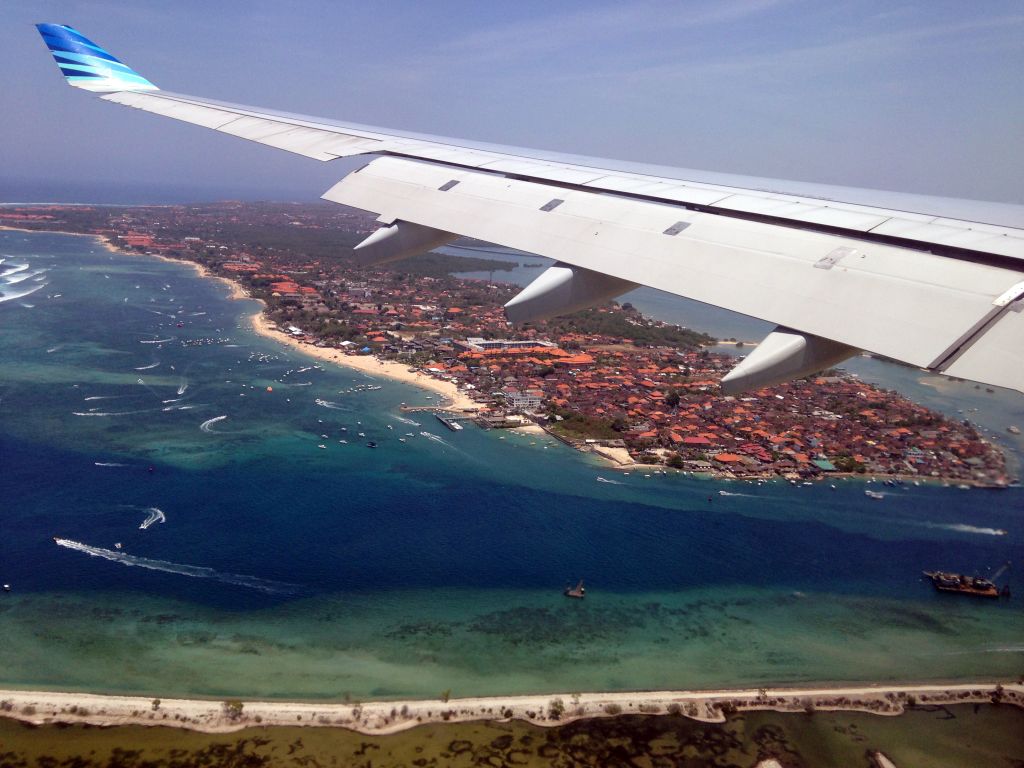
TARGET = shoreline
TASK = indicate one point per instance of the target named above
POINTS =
(387, 717)
(457, 400)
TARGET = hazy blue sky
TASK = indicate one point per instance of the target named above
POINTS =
(916, 96)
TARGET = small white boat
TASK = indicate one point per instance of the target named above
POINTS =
(874, 494)
(322, 446)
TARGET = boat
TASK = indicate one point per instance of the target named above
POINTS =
(1013, 430)
(874, 494)
(578, 592)
(371, 444)
(959, 584)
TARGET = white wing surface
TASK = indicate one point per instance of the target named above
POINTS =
(932, 282)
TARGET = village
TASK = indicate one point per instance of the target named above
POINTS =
(606, 380)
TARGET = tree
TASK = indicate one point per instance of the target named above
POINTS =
(446, 694)
(672, 399)
(232, 709)
(556, 708)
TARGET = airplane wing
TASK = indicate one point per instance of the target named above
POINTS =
(933, 282)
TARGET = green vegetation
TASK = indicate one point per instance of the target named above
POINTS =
(848, 464)
(630, 325)
(556, 708)
(578, 426)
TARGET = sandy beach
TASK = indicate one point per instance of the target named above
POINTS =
(455, 399)
(383, 717)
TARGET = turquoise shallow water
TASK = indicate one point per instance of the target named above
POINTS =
(285, 569)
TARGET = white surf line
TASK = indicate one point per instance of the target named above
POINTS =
(155, 515)
(156, 341)
(22, 294)
(147, 367)
(13, 270)
(109, 464)
(23, 276)
(207, 426)
(193, 571)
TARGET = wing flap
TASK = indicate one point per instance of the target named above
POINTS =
(897, 302)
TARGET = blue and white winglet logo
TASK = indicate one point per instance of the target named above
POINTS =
(86, 65)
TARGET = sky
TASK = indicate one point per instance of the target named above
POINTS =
(924, 97)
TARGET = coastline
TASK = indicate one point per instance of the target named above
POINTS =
(387, 717)
(457, 400)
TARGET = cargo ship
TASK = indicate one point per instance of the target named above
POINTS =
(959, 584)
(962, 585)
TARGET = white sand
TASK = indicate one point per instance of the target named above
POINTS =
(382, 717)
(458, 400)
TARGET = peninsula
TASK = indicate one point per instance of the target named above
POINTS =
(631, 390)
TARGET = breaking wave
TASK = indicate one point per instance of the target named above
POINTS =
(24, 276)
(154, 515)
(109, 464)
(193, 571)
(155, 341)
(21, 294)
(14, 269)
(147, 367)
(207, 426)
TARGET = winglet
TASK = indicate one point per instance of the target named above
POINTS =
(86, 65)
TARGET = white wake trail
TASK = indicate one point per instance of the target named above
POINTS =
(154, 516)
(194, 571)
(207, 426)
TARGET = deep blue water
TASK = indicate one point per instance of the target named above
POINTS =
(391, 570)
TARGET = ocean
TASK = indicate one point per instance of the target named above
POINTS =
(137, 408)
